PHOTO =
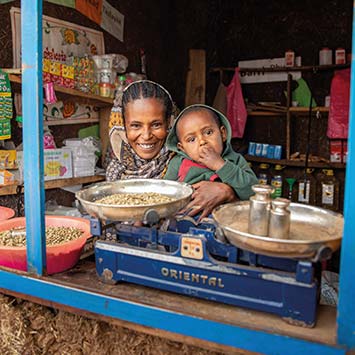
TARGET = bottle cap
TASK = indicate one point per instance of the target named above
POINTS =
(264, 166)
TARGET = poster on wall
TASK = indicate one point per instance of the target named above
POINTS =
(264, 77)
(62, 41)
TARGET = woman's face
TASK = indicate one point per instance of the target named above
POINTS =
(146, 126)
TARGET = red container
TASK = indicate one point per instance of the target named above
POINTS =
(60, 257)
(6, 213)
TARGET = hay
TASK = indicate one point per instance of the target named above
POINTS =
(28, 329)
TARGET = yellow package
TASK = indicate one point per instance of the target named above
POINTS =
(8, 159)
(6, 178)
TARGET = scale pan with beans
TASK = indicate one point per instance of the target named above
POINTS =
(179, 192)
(315, 232)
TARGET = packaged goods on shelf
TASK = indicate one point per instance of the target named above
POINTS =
(265, 150)
(57, 163)
(84, 155)
(6, 178)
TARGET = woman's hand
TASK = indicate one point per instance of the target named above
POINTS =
(207, 196)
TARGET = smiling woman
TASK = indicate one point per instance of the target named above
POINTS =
(138, 141)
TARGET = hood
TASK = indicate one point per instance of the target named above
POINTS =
(172, 141)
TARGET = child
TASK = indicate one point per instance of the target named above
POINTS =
(201, 137)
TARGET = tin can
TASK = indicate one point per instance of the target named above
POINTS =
(280, 218)
(289, 58)
(340, 57)
(325, 56)
(259, 210)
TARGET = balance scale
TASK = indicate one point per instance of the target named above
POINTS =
(211, 260)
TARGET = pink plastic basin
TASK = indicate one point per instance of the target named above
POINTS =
(6, 213)
(59, 257)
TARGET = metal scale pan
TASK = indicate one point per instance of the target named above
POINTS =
(314, 232)
(181, 193)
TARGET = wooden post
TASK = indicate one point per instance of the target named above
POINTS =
(196, 78)
(288, 117)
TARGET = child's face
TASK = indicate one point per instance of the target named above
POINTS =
(146, 126)
(198, 129)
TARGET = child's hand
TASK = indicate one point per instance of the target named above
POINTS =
(210, 158)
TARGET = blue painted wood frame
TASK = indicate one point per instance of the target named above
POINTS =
(149, 316)
(145, 315)
(32, 111)
(346, 308)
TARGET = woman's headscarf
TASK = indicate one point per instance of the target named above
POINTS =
(125, 163)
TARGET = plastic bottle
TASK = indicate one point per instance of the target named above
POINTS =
(263, 174)
(328, 190)
(277, 181)
(306, 188)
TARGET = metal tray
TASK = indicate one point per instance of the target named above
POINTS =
(181, 192)
(314, 233)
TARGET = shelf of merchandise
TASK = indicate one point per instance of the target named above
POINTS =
(297, 163)
(53, 184)
(65, 93)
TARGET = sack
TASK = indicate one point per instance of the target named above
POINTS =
(338, 120)
(236, 110)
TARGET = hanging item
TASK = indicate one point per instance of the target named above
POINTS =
(5, 106)
(236, 110)
(338, 119)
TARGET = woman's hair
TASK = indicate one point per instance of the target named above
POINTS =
(146, 89)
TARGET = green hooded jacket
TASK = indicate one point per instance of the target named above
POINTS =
(235, 172)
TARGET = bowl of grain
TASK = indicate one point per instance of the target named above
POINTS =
(65, 239)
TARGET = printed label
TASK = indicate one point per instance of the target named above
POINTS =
(302, 196)
(328, 194)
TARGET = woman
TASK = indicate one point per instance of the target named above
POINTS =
(138, 144)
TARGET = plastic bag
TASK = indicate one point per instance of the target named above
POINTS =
(236, 110)
(338, 120)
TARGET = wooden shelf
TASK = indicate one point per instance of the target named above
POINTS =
(293, 110)
(54, 184)
(299, 163)
(65, 93)
(312, 68)
(70, 121)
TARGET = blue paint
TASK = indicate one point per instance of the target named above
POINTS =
(32, 112)
(346, 310)
(220, 333)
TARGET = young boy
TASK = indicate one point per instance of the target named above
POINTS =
(201, 137)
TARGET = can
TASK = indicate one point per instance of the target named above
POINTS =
(289, 58)
(340, 57)
(325, 56)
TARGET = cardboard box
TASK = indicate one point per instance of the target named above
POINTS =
(57, 163)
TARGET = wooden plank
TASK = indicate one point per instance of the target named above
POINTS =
(196, 78)
(70, 121)
(54, 184)
(104, 131)
(84, 276)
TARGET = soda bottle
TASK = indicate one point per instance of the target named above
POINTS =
(328, 190)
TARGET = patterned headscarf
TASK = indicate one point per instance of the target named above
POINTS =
(125, 163)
